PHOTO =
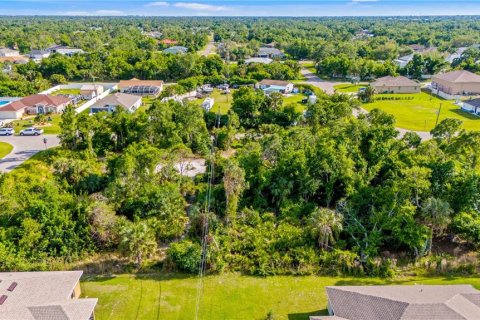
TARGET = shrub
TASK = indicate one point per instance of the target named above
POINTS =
(185, 255)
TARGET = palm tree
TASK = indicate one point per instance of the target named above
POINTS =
(367, 95)
(325, 225)
(436, 215)
(138, 241)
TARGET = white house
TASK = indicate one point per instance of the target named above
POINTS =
(403, 61)
(38, 55)
(110, 103)
(259, 60)
(90, 91)
(208, 103)
(269, 86)
(472, 106)
(7, 52)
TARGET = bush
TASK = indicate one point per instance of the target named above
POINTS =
(185, 255)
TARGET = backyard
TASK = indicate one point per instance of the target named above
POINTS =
(67, 92)
(5, 148)
(227, 296)
(420, 113)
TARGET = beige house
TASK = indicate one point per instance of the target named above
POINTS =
(34, 104)
(430, 302)
(43, 295)
(110, 103)
(395, 85)
(459, 82)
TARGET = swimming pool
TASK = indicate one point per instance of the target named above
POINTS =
(3, 102)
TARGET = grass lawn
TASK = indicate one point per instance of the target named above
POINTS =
(229, 296)
(295, 99)
(5, 148)
(309, 65)
(348, 88)
(223, 102)
(53, 128)
(421, 113)
(67, 91)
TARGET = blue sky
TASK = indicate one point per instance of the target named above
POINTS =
(240, 8)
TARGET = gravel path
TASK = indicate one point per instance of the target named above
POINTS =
(24, 148)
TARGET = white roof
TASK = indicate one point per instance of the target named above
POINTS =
(259, 60)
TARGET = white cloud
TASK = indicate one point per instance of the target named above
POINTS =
(158, 4)
(199, 6)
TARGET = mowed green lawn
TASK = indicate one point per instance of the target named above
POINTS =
(53, 126)
(5, 148)
(420, 113)
(348, 88)
(228, 296)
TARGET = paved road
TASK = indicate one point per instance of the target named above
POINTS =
(313, 79)
(208, 49)
(24, 148)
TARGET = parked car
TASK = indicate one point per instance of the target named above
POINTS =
(31, 132)
(7, 131)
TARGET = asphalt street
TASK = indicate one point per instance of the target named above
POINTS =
(24, 148)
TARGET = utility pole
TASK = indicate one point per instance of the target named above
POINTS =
(438, 114)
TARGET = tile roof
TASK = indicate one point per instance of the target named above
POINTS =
(419, 302)
(33, 100)
(394, 82)
(43, 296)
(458, 76)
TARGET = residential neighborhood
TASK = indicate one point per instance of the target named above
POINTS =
(239, 160)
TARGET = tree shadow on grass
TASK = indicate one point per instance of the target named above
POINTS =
(305, 316)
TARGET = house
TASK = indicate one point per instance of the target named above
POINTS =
(110, 103)
(269, 86)
(7, 52)
(419, 48)
(90, 91)
(472, 106)
(168, 41)
(433, 302)
(38, 55)
(266, 52)
(34, 104)
(391, 84)
(458, 82)
(141, 87)
(207, 104)
(44, 295)
(176, 50)
(259, 60)
(403, 61)
(14, 60)
(64, 50)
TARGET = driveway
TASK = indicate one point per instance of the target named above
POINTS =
(24, 148)
(314, 80)
(208, 49)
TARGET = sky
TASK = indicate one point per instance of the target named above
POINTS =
(240, 8)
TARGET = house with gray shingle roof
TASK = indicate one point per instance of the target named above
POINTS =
(458, 82)
(43, 295)
(472, 106)
(418, 302)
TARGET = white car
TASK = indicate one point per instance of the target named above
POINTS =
(7, 131)
(31, 132)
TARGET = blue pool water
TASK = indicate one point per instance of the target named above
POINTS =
(3, 102)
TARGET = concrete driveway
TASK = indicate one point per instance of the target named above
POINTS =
(24, 148)
(314, 80)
